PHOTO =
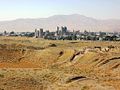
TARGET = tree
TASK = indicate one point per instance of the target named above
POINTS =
(12, 32)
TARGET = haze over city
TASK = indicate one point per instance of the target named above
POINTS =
(99, 9)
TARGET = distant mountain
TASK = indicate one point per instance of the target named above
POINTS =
(74, 21)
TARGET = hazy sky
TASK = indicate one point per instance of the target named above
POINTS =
(100, 9)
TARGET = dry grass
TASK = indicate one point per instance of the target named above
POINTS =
(37, 64)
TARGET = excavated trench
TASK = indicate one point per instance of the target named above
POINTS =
(28, 56)
(12, 56)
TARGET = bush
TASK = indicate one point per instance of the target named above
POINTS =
(1, 75)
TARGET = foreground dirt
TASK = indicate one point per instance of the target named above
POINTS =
(37, 64)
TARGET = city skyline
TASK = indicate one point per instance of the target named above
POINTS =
(102, 9)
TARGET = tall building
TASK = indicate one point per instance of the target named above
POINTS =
(39, 33)
(64, 30)
(35, 33)
(58, 31)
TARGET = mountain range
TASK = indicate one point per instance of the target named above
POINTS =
(73, 22)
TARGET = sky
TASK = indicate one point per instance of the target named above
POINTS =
(99, 9)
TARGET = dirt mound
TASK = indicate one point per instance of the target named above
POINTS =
(35, 64)
(12, 56)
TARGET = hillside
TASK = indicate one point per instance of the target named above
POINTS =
(38, 64)
(75, 21)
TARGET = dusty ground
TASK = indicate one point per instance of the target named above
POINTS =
(37, 64)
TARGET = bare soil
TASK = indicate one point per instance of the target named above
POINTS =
(38, 64)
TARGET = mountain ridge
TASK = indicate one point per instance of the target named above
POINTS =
(73, 22)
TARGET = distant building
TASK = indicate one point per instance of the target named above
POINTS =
(58, 31)
(64, 30)
(39, 33)
(62, 33)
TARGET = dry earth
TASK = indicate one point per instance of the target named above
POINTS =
(37, 64)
